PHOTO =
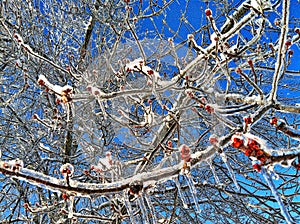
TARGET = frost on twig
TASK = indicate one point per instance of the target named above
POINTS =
(281, 125)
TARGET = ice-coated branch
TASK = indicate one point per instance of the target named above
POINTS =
(232, 31)
(286, 129)
(282, 47)
(80, 188)
(287, 108)
(33, 53)
(239, 13)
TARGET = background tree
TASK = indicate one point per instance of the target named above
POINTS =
(149, 111)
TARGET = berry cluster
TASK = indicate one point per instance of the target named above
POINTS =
(251, 148)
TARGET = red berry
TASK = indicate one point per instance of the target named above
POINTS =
(89, 88)
(250, 62)
(259, 153)
(150, 72)
(170, 144)
(248, 120)
(274, 121)
(288, 43)
(291, 52)
(248, 152)
(237, 143)
(41, 82)
(209, 109)
(208, 12)
(65, 196)
(254, 145)
(238, 70)
(262, 159)
(96, 92)
(257, 167)
(185, 153)
(213, 140)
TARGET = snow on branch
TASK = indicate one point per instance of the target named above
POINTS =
(256, 149)
(138, 65)
(15, 170)
(63, 93)
(281, 125)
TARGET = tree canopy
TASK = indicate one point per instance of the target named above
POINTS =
(149, 111)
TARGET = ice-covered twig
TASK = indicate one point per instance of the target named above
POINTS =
(280, 63)
(287, 108)
(138, 65)
(239, 98)
(283, 127)
(33, 53)
(180, 193)
(141, 204)
(128, 207)
(193, 191)
(13, 165)
(272, 186)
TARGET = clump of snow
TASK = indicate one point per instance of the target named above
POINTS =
(138, 65)
(63, 93)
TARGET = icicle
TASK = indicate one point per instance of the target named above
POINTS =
(152, 210)
(282, 207)
(193, 191)
(180, 192)
(143, 209)
(129, 208)
(231, 173)
(213, 171)
(70, 207)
